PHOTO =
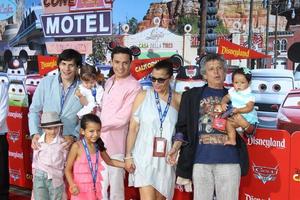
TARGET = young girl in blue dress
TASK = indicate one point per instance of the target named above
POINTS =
(242, 101)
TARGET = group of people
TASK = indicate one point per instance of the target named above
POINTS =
(89, 134)
(79, 101)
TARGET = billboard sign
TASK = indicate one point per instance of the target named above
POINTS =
(91, 5)
(65, 6)
(233, 51)
(7, 9)
(142, 67)
(77, 24)
(83, 47)
(156, 42)
(269, 159)
(51, 6)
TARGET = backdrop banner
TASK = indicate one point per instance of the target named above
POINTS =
(232, 51)
(269, 160)
(142, 67)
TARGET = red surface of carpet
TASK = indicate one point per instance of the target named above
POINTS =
(18, 193)
(18, 197)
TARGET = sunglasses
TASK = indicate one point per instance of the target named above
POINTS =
(159, 80)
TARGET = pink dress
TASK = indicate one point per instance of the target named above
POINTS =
(83, 177)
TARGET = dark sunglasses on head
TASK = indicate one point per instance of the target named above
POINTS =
(159, 80)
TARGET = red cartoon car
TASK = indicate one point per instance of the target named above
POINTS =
(31, 82)
(288, 117)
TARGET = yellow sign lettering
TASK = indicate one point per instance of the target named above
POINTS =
(50, 64)
(234, 52)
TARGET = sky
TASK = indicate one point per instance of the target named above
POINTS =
(122, 9)
(130, 8)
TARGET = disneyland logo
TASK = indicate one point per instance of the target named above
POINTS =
(267, 142)
(49, 64)
(15, 115)
(15, 154)
(250, 197)
(234, 52)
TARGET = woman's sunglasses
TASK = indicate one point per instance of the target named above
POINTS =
(159, 80)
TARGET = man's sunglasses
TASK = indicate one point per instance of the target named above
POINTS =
(159, 80)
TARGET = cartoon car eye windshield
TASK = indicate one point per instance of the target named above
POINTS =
(276, 88)
(29, 81)
(262, 87)
(3, 79)
(19, 72)
(282, 86)
(20, 89)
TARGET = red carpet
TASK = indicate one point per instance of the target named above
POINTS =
(18, 193)
(18, 197)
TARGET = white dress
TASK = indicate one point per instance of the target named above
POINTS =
(151, 170)
(92, 101)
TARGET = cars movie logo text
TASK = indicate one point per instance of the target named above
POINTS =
(13, 136)
(265, 174)
(14, 174)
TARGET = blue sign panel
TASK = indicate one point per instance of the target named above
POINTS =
(7, 9)
(77, 24)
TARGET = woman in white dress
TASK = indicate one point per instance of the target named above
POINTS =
(152, 125)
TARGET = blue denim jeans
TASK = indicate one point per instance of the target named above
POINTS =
(43, 188)
(223, 178)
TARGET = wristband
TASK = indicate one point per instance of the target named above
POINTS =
(128, 158)
(128, 154)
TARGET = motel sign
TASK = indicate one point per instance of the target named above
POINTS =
(77, 24)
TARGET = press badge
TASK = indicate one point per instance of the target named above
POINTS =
(159, 147)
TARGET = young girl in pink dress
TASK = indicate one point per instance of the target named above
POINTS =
(83, 169)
